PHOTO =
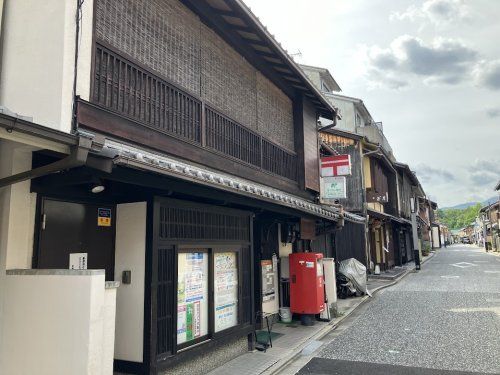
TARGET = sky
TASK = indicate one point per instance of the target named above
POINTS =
(428, 70)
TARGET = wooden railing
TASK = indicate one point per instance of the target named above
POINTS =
(226, 136)
(278, 160)
(131, 91)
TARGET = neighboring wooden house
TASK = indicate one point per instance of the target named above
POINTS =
(371, 192)
(379, 188)
(490, 220)
(408, 186)
(429, 232)
(382, 206)
(350, 241)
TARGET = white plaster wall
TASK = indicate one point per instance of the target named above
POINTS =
(285, 249)
(53, 324)
(346, 108)
(130, 255)
(435, 237)
(20, 206)
(108, 338)
(5, 166)
(38, 59)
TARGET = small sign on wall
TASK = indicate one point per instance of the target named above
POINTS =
(104, 217)
(374, 197)
(337, 165)
(333, 187)
(78, 261)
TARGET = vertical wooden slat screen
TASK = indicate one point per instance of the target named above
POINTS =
(165, 301)
(129, 90)
(229, 137)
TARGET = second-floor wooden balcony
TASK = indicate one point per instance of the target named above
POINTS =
(133, 92)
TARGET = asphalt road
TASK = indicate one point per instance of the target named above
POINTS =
(444, 318)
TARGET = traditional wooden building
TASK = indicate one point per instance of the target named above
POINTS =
(373, 186)
(350, 241)
(171, 147)
(408, 191)
(490, 219)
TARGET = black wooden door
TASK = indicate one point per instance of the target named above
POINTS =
(68, 227)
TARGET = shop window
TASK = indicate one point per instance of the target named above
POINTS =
(202, 273)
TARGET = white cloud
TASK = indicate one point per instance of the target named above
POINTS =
(439, 12)
(445, 61)
(487, 74)
(484, 173)
(493, 112)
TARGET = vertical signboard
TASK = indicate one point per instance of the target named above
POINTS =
(268, 287)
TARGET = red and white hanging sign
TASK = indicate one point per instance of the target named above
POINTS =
(338, 165)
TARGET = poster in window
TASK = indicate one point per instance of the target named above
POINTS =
(192, 296)
(225, 290)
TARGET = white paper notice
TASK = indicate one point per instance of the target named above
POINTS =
(78, 261)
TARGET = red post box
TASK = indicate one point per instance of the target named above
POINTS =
(307, 295)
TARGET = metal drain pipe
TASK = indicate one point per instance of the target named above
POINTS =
(76, 158)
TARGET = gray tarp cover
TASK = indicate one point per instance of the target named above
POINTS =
(355, 271)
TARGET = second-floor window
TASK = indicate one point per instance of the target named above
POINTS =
(358, 119)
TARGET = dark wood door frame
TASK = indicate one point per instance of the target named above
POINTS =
(39, 211)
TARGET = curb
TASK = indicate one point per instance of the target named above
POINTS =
(280, 365)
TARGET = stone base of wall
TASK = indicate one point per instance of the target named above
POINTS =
(208, 361)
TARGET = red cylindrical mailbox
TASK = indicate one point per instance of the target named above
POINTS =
(307, 295)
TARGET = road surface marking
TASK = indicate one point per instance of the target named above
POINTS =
(463, 265)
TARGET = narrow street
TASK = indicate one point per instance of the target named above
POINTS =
(445, 317)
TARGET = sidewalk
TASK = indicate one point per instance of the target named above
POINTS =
(294, 338)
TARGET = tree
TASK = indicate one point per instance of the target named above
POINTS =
(458, 218)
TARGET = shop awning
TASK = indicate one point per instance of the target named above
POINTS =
(133, 157)
(384, 216)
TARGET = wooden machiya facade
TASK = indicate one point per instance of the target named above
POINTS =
(350, 241)
(209, 150)
(190, 82)
(382, 202)
(409, 187)
(380, 189)
(372, 191)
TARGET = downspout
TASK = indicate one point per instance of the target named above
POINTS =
(78, 18)
(333, 124)
(77, 158)
(368, 250)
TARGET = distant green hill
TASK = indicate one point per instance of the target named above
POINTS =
(457, 218)
(469, 204)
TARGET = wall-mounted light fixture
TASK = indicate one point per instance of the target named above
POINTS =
(97, 188)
